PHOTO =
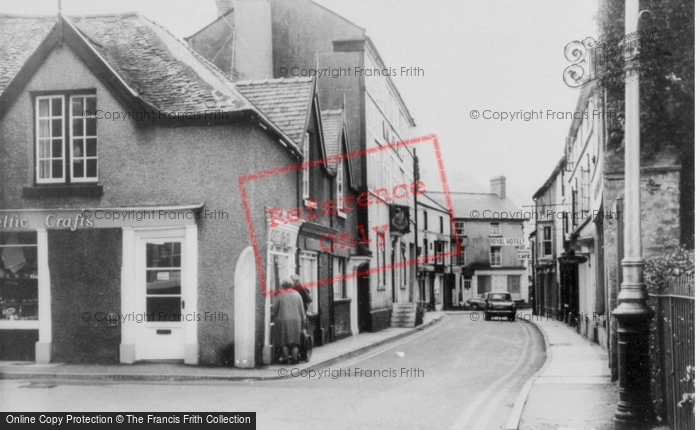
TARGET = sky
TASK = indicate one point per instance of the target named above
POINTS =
(476, 56)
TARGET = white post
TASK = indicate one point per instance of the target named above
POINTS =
(43, 346)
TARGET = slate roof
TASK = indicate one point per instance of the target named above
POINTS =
(286, 102)
(332, 134)
(154, 65)
(434, 200)
(463, 205)
(19, 37)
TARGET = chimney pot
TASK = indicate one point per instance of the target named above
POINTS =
(498, 186)
(224, 6)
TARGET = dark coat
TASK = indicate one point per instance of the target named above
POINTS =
(288, 315)
(305, 297)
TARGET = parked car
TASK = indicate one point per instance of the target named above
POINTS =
(499, 304)
(476, 303)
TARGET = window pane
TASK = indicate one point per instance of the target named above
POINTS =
(163, 255)
(56, 128)
(78, 148)
(77, 127)
(56, 106)
(57, 166)
(43, 107)
(163, 282)
(91, 147)
(77, 103)
(44, 148)
(91, 104)
(44, 169)
(57, 147)
(44, 130)
(163, 309)
(91, 168)
(19, 275)
(91, 127)
(78, 169)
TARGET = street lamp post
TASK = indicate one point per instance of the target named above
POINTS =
(634, 409)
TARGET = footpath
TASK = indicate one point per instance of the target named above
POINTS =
(322, 357)
(572, 390)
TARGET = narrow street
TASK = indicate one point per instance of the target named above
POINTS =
(458, 374)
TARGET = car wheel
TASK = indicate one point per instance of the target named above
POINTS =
(474, 307)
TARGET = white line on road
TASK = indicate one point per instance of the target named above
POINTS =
(504, 340)
(464, 419)
(394, 344)
(496, 400)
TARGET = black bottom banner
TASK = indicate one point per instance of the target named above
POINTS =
(239, 420)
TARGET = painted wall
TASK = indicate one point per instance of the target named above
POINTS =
(85, 267)
(478, 247)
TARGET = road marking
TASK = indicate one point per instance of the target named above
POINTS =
(464, 419)
(393, 345)
(496, 401)
(504, 340)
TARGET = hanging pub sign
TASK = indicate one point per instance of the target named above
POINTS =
(400, 219)
(570, 257)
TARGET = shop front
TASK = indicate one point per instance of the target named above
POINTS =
(99, 285)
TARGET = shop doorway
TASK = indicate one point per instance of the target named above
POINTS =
(160, 294)
(364, 314)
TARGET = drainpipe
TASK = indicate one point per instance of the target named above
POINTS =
(537, 305)
(416, 177)
(635, 408)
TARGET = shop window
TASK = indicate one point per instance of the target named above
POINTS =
(495, 229)
(66, 139)
(514, 284)
(309, 275)
(495, 256)
(338, 279)
(19, 276)
(483, 284)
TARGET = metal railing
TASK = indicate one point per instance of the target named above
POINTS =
(675, 350)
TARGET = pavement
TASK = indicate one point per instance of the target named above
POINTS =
(322, 357)
(572, 390)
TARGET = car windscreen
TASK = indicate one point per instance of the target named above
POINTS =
(499, 297)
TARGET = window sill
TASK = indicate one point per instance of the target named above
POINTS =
(45, 191)
(343, 300)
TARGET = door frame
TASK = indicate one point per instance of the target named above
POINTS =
(131, 239)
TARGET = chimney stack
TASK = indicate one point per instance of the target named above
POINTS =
(224, 6)
(498, 186)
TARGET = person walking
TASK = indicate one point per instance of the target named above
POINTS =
(288, 315)
(303, 292)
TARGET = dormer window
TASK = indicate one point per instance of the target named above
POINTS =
(66, 139)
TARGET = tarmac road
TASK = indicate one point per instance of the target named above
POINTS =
(464, 373)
